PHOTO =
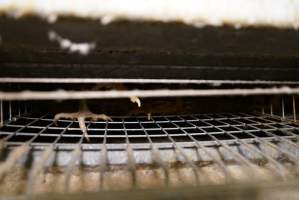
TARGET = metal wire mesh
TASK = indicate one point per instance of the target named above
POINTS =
(204, 128)
(247, 140)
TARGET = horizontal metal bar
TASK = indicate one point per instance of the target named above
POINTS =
(64, 95)
(140, 81)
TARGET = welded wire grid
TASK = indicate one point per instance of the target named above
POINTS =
(162, 129)
(221, 130)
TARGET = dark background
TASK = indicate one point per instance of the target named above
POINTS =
(148, 50)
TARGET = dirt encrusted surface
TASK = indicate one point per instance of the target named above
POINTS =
(120, 178)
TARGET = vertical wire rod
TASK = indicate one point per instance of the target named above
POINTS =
(71, 165)
(187, 160)
(10, 110)
(38, 165)
(282, 108)
(238, 156)
(25, 109)
(294, 108)
(271, 109)
(1, 113)
(131, 163)
(19, 109)
(75, 156)
(17, 153)
(280, 169)
(219, 162)
(13, 157)
(156, 157)
(179, 150)
(277, 148)
(159, 161)
(104, 161)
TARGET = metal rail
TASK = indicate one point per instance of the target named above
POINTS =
(142, 81)
(66, 95)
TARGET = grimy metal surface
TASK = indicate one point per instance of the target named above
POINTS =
(274, 191)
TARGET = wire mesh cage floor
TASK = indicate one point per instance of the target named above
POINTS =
(135, 152)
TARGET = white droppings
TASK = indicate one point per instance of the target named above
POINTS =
(65, 44)
(72, 47)
(52, 35)
(83, 48)
(107, 19)
(199, 24)
(52, 18)
(237, 26)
